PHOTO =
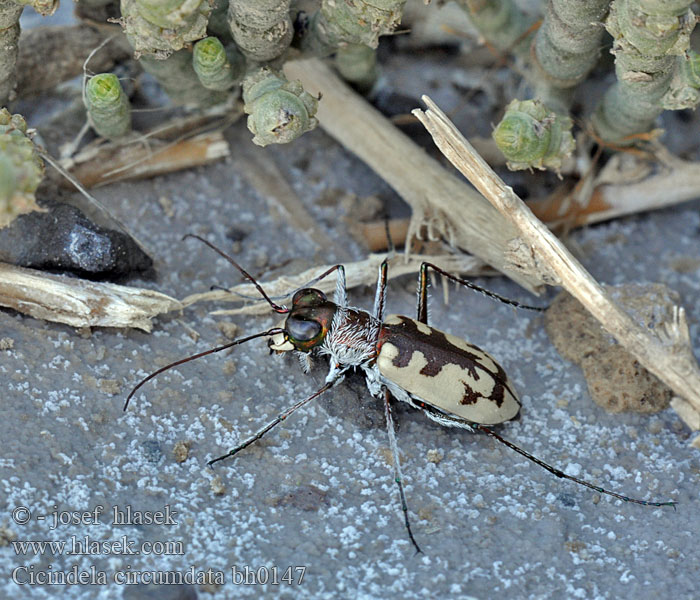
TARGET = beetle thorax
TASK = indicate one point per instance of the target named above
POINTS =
(352, 338)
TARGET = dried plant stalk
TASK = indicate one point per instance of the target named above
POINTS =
(103, 164)
(438, 198)
(667, 353)
(363, 272)
(78, 302)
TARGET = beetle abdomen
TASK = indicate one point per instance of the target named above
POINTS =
(445, 371)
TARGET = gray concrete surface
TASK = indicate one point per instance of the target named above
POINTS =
(318, 492)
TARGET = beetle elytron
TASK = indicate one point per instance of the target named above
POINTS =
(452, 381)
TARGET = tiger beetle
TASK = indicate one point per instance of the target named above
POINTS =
(452, 381)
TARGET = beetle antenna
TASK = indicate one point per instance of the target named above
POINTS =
(563, 475)
(269, 332)
(276, 307)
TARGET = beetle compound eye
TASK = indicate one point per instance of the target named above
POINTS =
(309, 296)
(302, 331)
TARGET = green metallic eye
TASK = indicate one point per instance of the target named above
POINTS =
(308, 296)
(300, 330)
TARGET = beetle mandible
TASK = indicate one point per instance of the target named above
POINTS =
(452, 381)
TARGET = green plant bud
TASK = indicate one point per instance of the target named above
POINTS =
(108, 107)
(530, 135)
(218, 68)
(279, 110)
(21, 169)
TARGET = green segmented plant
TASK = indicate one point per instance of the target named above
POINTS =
(21, 169)
(357, 64)
(10, 13)
(218, 68)
(178, 79)
(531, 136)
(567, 44)
(161, 28)
(649, 36)
(44, 7)
(109, 109)
(684, 91)
(169, 14)
(690, 67)
(279, 110)
(262, 29)
(362, 22)
(501, 23)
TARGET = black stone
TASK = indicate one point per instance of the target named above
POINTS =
(64, 239)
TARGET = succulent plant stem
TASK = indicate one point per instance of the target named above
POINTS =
(10, 12)
(650, 36)
(262, 29)
(108, 106)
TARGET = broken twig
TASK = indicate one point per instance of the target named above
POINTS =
(667, 353)
(78, 302)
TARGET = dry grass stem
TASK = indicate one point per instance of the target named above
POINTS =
(667, 353)
(137, 160)
(78, 302)
(180, 143)
(363, 272)
(449, 207)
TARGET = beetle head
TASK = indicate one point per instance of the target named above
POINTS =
(307, 324)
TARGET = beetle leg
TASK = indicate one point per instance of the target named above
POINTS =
(380, 294)
(276, 421)
(422, 309)
(341, 295)
(397, 467)
(559, 473)
(423, 292)
(341, 291)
